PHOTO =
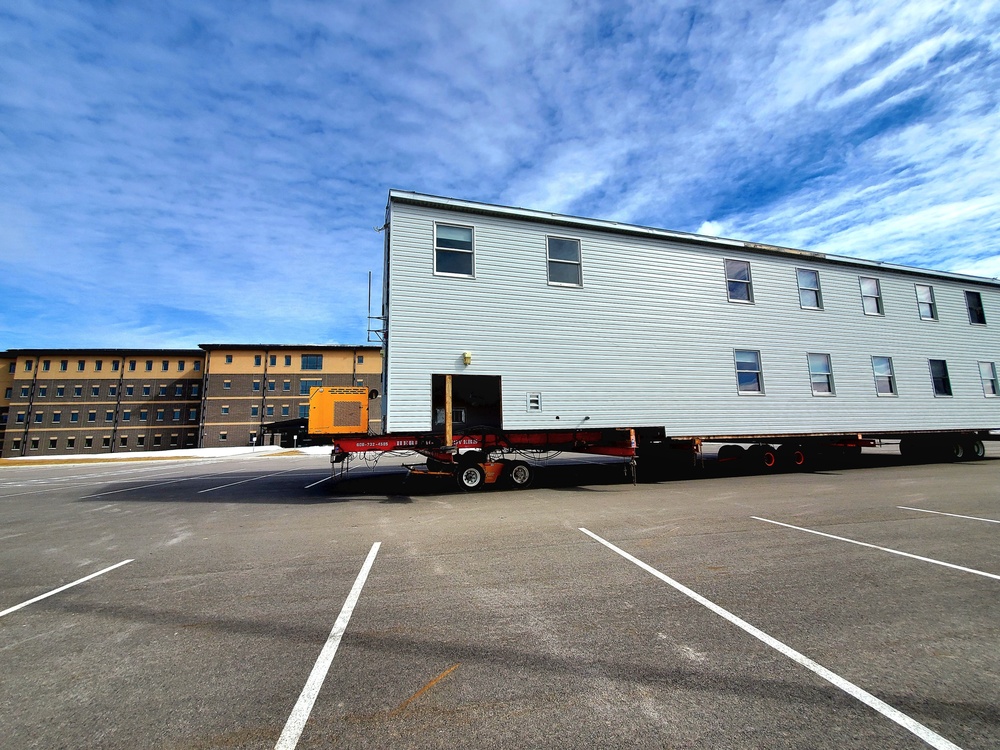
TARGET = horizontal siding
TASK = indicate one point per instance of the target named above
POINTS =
(649, 339)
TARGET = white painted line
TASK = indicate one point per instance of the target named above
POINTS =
(953, 515)
(244, 481)
(303, 707)
(883, 549)
(324, 479)
(63, 588)
(929, 736)
(140, 487)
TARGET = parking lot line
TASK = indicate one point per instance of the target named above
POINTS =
(63, 588)
(324, 479)
(883, 549)
(303, 707)
(244, 481)
(953, 515)
(926, 734)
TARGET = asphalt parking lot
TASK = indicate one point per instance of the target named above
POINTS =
(253, 606)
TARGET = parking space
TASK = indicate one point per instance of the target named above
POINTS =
(852, 608)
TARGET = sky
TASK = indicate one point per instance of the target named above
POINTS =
(178, 173)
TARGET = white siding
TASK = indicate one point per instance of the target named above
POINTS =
(649, 339)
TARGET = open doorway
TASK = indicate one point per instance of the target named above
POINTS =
(475, 402)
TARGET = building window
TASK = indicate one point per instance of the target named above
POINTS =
(177, 415)
(163, 390)
(256, 385)
(130, 390)
(305, 385)
(80, 364)
(140, 441)
(288, 360)
(285, 410)
(227, 384)
(821, 374)
(749, 376)
(224, 410)
(270, 385)
(180, 365)
(123, 441)
(43, 391)
(312, 361)
(977, 315)
(303, 411)
(98, 365)
(39, 417)
(60, 391)
(74, 417)
(63, 365)
(146, 390)
(159, 415)
(988, 374)
(194, 390)
(95, 391)
(256, 360)
(144, 415)
(53, 443)
(19, 419)
(269, 411)
(71, 442)
(179, 389)
(109, 416)
(112, 390)
(114, 365)
(810, 296)
(56, 417)
(197, 366)
(361, 359)
(106, 441)
(223, 436)
(229, 359)
(532, 401)
(871, 296)
(165, 365)
(131, 365)
(192, 415)
(46, 364)
(939, 377)
(273, 360)
(127, 416)
(25, 390)
(885, 378)
(149, 365)
(92, 415)
(739, 285)
(11, 368)
(564, 262)
(359, 382)
(254, 410)
(453, 250)
(77, 391)
(8, 393)
(34, 444)
(157, 441)
(15, 444)
(286, 386)
(27, 366)
(926, 307)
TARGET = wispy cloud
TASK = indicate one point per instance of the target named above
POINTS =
(172, 173)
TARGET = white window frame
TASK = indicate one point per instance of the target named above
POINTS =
(732, 280)
(891, 377)
(471, 252)
(817, 290)
(994, 383)
(549, 260)
(759, 371)
(879, 303)
(533, 401)
(981, 307)
(816, 375)
(926, 306)
(947, 378)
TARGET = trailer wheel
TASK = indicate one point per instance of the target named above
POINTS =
(792, 457)
(520, 474)
(471, 477)
(761, 458)
(977, 450)
(955, 451)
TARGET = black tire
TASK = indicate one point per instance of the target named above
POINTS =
(761, 458)
(470, 476)
(520, 474)
(976, 450)
(731, 454)
(792, 457)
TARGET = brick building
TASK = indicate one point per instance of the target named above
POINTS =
(90, 401)
(249, 388)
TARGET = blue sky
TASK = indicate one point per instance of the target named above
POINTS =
(176, 173)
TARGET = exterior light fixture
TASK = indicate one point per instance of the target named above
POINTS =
(467, 358)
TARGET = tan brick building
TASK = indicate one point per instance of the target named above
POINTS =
(251, 387)
(90, 401)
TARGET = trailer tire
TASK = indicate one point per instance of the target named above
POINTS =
(954, 451)
(792, 457)
(520, 474)
(762, 458)
(470, 476)
(730, 455)
(977, 450)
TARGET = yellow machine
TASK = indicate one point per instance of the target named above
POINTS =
(338, 411)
